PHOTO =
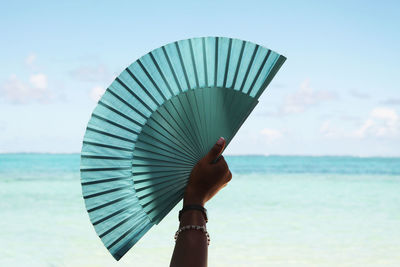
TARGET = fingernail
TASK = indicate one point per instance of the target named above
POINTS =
(220, 141)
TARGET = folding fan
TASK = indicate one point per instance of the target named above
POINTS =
(157, 119)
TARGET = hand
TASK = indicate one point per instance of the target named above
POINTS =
(208, 176)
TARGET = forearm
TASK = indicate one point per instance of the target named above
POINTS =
(191, 246)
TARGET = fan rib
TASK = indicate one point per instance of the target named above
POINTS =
(124, 235)
(271, 74)
(108, 203)
(187, 153)
(249, 67)
(107, 146)
(180, 132)
(152, 80)
(118, 224)
(192, 138)
(133, 94)
(107, 180)
(110, 135)
(189, 148)
(172, 69)
(111, 215)
(161, 73)
(126, 103)
(140, 181)
(106, 192)
(104, 157)
(258, 72)
(119, 113)
(115, 124)
(205, 61)
(216, 62)
(227, 63)
(238, 64)
(144, 89)
(194, 63)
(183, 65)
(168, 151)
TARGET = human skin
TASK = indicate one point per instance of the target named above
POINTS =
(207, 178)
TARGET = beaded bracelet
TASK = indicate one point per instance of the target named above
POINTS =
(194, 227)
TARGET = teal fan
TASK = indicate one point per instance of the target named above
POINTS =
(156, 120)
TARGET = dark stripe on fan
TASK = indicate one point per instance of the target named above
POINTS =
(153, 152)
(176, 188)
(197, 130)
(238, 64)
(105, 169)
(112, 215)
(228, 56)
(144, 227)
(193, 63)
(271, 75)
(183, 65)
(205, 61)
(111, 135)
(188, 130)
(138, 181)
(258, 72)
(125, 234)
(143, 87)
(216, 62)
(115, 124)
(165, 211)
(107, 146)
(120, 113)
(166, 191)
(176, 179)
(169, 163)
(172, 69)
(126, 103)
(133, 94)
(249, 67)
(104, 157)
(118, 225)
(150, 172)
(176, 123)
(107, 192)
(189, 150)
(109, 203)
(151, 79)
(188, 156)
(161, 73)
(107, 180)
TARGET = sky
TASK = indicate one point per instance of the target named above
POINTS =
(338, 92)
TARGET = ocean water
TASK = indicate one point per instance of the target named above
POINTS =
(277, 211)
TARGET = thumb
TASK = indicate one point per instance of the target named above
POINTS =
(216, 150)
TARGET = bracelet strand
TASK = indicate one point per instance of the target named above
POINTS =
(193, 227)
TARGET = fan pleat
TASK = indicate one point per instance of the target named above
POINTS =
(158, 118)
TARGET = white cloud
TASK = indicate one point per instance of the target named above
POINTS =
(271, 134)
(20, 92)
(382, 122)
(30, 59)
(38, 81)
(96, 93)
(304, 98)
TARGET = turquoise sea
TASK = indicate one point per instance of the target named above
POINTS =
(277, 211)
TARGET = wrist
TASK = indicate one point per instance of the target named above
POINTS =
(191, 198)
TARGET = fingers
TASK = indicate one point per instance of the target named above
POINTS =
(222, 167)
(216, 150)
